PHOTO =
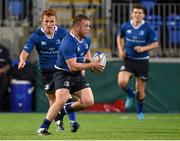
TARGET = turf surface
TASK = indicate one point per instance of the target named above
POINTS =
(22, 126)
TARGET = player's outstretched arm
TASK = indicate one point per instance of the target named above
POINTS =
(74, 66)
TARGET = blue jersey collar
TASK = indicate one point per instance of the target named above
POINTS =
(75, 37)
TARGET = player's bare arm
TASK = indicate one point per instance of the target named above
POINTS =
(149, 47)
(74, 66)
(120, 44)
(4, 69)
(22, 59)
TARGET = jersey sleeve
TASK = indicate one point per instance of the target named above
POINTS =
(121, 31)
(30, 43)
(64, 32)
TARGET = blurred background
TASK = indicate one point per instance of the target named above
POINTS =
(18, 18)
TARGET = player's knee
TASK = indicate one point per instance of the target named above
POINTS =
(51, 102)
(122, 84)
(61, 101)
(51, 99)
(88, 103)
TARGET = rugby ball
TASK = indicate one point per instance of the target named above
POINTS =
(99, 56)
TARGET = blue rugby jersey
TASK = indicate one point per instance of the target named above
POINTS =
(46, 47)
(71, 47)
(137, 36)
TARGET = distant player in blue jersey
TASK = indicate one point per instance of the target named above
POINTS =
(47, 39)
(134, 40)
(68, 78)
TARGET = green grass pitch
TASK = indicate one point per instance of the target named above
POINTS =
(23, 126)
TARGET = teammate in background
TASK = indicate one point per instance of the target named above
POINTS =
(134, 40)
(5, 65)
(47, 39)
(68, 78)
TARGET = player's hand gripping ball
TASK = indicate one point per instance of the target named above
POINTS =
(100, 57)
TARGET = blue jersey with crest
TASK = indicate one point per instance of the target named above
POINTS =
(47, 47)
(137, 36)
(71, 47)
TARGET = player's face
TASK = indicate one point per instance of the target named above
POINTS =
(48, 24)
(137, 15)
(84, 28)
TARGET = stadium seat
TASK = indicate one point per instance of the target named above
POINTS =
(80, 2)
(64, 16)
(148, 4)
(95, 2)
(156, 22)
(57, 1)
(173, 26)
(15, 8)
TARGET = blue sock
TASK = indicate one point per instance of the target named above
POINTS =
(72, 116)
(140, 104)
(129, 91)
(66, 109)
(46, 123)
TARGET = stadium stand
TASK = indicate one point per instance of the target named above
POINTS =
(173, 30)
(149, 5)
(62, 1)
(15, 8)
(173, 25)
(156, 23)
(25, 14)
